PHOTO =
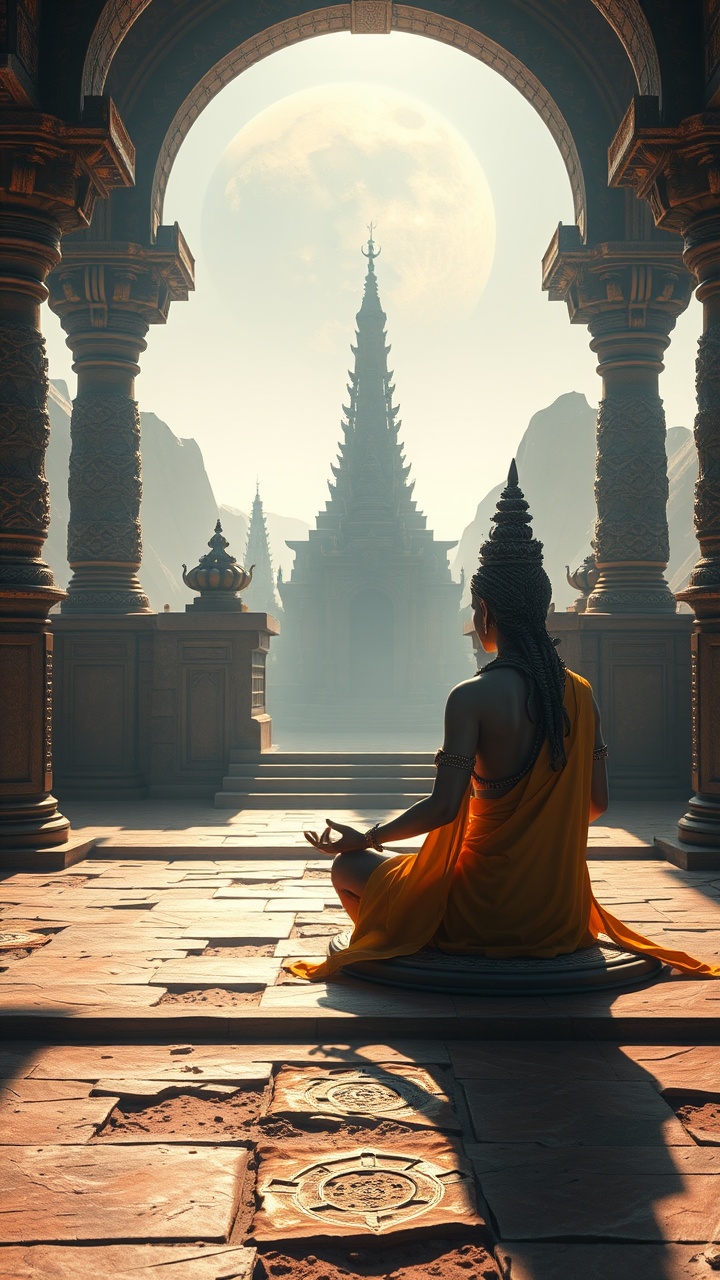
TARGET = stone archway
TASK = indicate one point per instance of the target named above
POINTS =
(338, 17)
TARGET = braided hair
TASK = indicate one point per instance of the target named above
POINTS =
(516, 589)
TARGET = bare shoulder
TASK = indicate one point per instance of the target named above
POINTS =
(486, 690)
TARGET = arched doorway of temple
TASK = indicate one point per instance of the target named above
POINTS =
(161, 61)
(371, 648)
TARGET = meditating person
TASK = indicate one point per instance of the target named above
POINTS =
(521, 774)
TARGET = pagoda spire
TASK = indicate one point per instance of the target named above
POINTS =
(260, 597)
(370, 485)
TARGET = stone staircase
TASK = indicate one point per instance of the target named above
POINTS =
(317, 779)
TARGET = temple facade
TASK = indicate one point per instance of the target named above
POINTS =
(371, 613)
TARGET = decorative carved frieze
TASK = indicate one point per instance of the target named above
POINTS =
(371, 17)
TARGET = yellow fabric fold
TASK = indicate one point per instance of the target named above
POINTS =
(507, 878)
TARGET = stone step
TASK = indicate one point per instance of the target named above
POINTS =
(380, 800)
(248, 769)
(349, 784)
(335, 758)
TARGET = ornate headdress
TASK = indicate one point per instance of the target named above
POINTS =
(511, 541)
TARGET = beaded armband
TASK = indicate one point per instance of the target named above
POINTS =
(600, 753)
(371, 839)
(454, 761)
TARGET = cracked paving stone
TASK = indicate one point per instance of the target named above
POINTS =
(419, 1183)
(39, 1113)
(126, 1262)
(406, 1095)
(114, 1193)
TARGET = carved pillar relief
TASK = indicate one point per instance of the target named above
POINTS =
(677, 170)
(631, 491)
(629, 295)
(106, 295)
(51, 176)
(24, 503)
(104, 540)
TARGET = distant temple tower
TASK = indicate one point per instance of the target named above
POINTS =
(260, 596)
(371, 614)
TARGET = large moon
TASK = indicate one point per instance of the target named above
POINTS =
(288, 206)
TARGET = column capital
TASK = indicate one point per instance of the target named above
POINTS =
(676, 168)
(617, 286)
(99, 282)
(60, 169)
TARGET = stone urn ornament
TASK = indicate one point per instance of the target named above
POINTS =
(218, 577)
(584, 579)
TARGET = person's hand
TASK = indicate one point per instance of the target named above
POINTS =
(349, 841)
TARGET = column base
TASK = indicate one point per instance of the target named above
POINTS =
(701, 824)
(105, 602)
(105, 588)
(631, 588)
(689, 857)
(55, 858)
(35, 823)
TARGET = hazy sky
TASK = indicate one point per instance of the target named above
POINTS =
(273, 189)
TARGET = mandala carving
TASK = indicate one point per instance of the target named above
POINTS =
(367, 1189)
(631, 482)
(370, 1092)
(24, 498)
(105, 486)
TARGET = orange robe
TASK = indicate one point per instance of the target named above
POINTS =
(508, 877)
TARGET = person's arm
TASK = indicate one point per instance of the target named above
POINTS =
(599, 797)
(462, 729)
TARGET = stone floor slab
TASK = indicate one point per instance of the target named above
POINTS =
(670, 1066)
(35, 1113)
(575, 1112)
(168, 1063)
(126, 1262)
(403, 1094)
(561, 1261)
(26, 997)
(370, 1190)
(214, 971)
(55, 1193)
(559, 1200)
(514, 1060)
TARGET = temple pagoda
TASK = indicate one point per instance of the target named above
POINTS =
(371, 613)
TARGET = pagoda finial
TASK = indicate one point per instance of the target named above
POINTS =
(371, 255)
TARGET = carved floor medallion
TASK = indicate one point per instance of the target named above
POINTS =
(373, 1190)
(601, 966)
(405, 1094)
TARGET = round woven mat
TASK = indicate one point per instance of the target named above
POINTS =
(603, 965)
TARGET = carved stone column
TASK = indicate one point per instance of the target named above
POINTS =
(629, 296)
(50, 178)
(106, 295)
(677, 169)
